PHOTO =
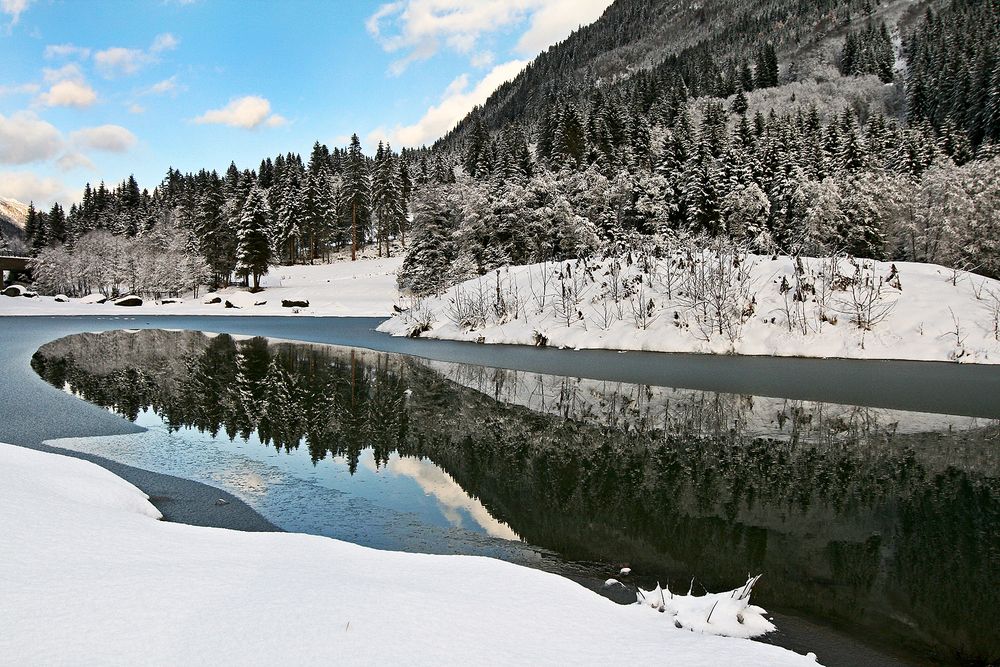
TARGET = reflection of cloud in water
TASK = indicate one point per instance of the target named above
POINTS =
(450, 496)
(243, 480)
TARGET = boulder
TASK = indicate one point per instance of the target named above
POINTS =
(294, 303)
(128, 301)
(230, 304)
(14, 290)
(164, 302)
(212, 298)
(29, 295)
(93, 298)
(60, 298)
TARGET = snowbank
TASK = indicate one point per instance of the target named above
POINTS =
(90, 576)
(365, 288)
(743, 304)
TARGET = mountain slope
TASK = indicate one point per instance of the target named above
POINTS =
(650, 35)
(12, 217)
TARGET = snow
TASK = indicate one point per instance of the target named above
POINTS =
(90, 574)
(13, 211)
(365, 288)
(936, 314)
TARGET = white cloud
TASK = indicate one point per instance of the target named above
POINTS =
(20, 89)
(555, 20)
(68, 71)
(68, 93)
(119, 61)
(29, 187)
(71, 161)
(136, 108)
(165, 86)
(14, 9)
(26, 138)
(68, 88)
(417, 28)
(456, 102)
(482, 59)
(53, 51)
(109, 138)
(164, 42)
(248, 112)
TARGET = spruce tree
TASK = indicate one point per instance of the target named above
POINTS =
(356, 194)
(253, 250)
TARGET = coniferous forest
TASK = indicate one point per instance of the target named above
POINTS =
(865, 128)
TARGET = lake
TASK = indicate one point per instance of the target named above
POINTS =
(866, 492)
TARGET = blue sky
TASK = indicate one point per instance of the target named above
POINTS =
(93, 90)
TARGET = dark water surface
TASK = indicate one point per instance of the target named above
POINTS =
(866, 492)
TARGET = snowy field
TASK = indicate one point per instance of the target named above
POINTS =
(757, 305)
(365, 288)
(91, 576)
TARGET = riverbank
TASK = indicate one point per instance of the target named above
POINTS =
(778, 307)
(744, 305)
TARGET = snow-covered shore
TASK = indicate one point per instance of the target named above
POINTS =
(919, 312)
(91, 576)
(365, 288)
(772, 306)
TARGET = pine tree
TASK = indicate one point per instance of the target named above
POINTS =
(56, 226)
(319, 210)
(766, 74)
(32, 228)
(387, 207)
(253, 251)
(427, 265)
(356, 194)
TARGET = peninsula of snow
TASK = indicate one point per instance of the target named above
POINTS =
(723, 303)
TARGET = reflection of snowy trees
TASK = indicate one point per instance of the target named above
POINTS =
(674, 482)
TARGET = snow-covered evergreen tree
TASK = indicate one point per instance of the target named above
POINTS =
(253, 250)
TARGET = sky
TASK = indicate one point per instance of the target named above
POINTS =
(100, 89)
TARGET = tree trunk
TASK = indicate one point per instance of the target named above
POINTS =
(354, 231)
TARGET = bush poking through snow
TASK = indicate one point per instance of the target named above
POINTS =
(729, 614)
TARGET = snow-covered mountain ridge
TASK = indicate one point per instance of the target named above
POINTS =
(12, 217)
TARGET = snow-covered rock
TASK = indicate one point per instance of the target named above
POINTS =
(14, 290)
(89, 571)
(129, 301)
(60, 298)
(94, 298)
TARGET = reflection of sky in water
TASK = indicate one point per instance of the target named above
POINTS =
(407, 504)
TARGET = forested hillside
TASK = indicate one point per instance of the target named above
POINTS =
(840, 126)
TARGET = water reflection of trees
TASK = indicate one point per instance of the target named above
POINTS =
(850, 516)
